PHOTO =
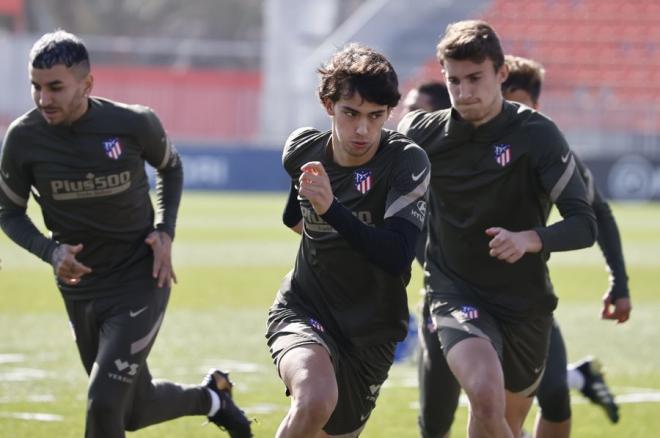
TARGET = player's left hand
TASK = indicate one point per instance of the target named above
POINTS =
(314, 184)
(161, 244)
(618, 310)
(510, 246)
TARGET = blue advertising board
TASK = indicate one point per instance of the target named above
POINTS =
(232, 169)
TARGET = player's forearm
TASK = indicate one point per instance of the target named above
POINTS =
(18, 226)
(292, 215)
(392, 247)
(577, 230)
(609, 241)
(169, 186)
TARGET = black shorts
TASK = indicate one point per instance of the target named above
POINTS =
(359, 372)
(522, 347)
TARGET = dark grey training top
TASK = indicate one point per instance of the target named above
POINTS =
(90, 182)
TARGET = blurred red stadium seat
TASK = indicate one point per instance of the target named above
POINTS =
(197, 105)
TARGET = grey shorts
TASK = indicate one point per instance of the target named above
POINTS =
(522, 347)
(359, 372)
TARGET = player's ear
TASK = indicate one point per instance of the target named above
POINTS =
(89, 84)
(502, 73)
(329, 106)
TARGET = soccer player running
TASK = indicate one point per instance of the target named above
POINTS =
(83, 158)
(524, 85)
(358, 198)
(439, 390)
(497, 170)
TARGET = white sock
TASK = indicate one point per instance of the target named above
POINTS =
(574, 378)
(215, 403)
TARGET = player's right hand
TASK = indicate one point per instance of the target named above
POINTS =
(65, 265)
(314, 184)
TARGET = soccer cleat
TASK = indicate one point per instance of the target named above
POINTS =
(595, 388)
(229, 417)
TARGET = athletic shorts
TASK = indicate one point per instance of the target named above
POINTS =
(360, 372)
(522, 347)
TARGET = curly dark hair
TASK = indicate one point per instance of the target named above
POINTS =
(357, 68)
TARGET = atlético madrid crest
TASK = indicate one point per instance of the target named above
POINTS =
(362, 180)
(112, 148)
(502, 153)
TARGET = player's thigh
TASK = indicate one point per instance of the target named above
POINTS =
(307, 370)
(360, 373)
(458, 320)
(128, 327)
(525, 351)
(84, 329)
(289, 328)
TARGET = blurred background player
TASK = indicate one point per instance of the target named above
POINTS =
(496, 171)
(358, 197)
(524, 85)
(83, 158)
(429, 96)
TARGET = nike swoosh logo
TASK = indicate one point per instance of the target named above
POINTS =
(137, 312)
(418, 176)
(5, 175)
(564, 158)
(364, 417)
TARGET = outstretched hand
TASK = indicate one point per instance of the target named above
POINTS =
(618, 310)
(65, 265)
(314, 184)
(161, 245)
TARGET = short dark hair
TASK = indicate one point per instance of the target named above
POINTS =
(472, 40)
(357, 68)
(437, 92)
(59, 48)
(524, 74)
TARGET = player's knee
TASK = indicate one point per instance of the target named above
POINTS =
(555, 403)
(103, 408)
(316, 407)
(486, 401)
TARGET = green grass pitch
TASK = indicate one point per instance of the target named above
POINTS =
(230, 253)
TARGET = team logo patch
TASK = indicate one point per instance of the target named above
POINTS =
(502, 153)
(465, 313)
(362, 180)
(112, 148)
(316, 325)
(430, 325)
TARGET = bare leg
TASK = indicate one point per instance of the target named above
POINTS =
(517, 407)
(549, 429)
(477, 368)
(308, 373)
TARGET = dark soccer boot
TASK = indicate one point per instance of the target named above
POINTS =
(595, 388)
(229, 417)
